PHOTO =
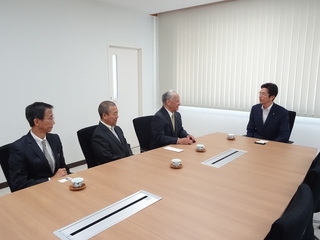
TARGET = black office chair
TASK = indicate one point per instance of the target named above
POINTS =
(312, 179)
(296, 218)
(315, 162)
(292, 118)
(4, 161)
(84, 137)
(142, 127)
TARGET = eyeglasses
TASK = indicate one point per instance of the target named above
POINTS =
(49, 118)
(264, 94)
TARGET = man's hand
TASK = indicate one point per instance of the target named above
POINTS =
(192, 138)
(184, 141)
(60, 173)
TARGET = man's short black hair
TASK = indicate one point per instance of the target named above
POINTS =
(272, 89)
(36, 110)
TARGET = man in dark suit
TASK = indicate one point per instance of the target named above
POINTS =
(268, 120)
(108, 142)
(37, 156)
(166, 124)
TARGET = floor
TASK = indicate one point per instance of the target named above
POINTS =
(316, 217)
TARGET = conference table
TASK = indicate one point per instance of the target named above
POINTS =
(239, 200)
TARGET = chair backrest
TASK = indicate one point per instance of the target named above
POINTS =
(142, 127)
(84, 137)
(292, 118)
(312, 179)
(296, 219)
(315, 162)
(4, 160)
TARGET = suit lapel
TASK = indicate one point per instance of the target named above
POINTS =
(167, 116)
(54, 148)
(34, 146)
(260, 119)
(112, 136)
(271, 115)
(121, 137)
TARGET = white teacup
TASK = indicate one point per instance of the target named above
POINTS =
(176, 162)
(200, 147)
(77, 182)
(231, 136)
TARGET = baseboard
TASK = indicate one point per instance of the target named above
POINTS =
(70, 165)
(77, 164)
(4, 185)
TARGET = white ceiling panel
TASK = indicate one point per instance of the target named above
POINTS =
(158, 6)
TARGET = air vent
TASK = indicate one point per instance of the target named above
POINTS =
(224, 158)
(99, 221)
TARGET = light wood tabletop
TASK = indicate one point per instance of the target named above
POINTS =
(239, 200)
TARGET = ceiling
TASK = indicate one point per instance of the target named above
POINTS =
(157, 6)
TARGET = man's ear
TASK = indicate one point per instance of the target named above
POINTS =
(36, 121)
(104, 115)
(272, 98)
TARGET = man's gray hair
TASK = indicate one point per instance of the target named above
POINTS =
(104, 107)
(168, 95)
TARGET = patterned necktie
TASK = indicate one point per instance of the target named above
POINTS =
(47, 155)
(172, 121)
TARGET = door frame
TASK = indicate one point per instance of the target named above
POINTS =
(139, 55)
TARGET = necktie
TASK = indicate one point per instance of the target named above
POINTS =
(172, 121)
(47, 155)
(114, 133)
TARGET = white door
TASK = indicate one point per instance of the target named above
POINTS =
(125, 87)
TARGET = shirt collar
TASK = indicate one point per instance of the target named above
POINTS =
(37, 139)
(268, 108)
(169, 112)
(108, 126)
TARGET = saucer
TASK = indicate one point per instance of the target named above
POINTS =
(173, 166)
(72, 188)
(203, 150)
(231, 139)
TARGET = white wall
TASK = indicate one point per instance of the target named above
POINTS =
(56, 51)
(201, 121)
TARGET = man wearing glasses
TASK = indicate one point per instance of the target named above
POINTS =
(268, 120)
(37, 156)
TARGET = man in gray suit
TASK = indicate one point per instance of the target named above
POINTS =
(108, 142)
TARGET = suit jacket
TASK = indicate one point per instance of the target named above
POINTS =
(162, 129)
(106, 147)
(276, 126)
(28, 165)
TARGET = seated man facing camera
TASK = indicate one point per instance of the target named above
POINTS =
(268, 120)
(37, 157)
